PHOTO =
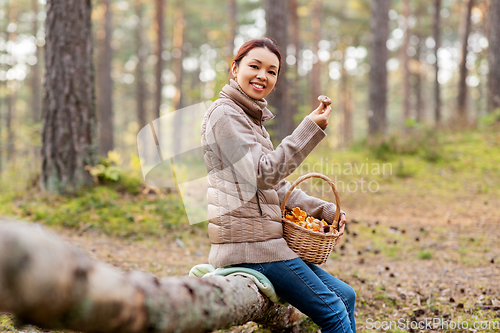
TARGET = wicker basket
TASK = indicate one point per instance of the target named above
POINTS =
(313, 247)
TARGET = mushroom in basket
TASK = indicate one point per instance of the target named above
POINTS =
(299, 217)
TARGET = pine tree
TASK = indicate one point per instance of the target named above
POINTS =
(377, 121)
(69, 120)
(494, 56)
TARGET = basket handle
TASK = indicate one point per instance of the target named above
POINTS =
(336, 219)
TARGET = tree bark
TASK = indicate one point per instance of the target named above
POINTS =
(178, 42)
(316, 69)
(159, 59)
(178, 100)
(405, 64)
(11, 109)
(141, 50)
(105, 84)
(437, 39)
(494, 56)
(232, 9)
(276, 29)
(419, 101)
(346, 128)
(294, 92)
(462, 84)
(377, 121)
(69, 121)
(10, 86)
(45, 282)
(4, 90)
(1, 129)
(35, 69)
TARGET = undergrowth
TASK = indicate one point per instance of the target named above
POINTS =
(440, 163)
(100, 208)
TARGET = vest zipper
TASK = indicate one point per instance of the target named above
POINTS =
(258, 202)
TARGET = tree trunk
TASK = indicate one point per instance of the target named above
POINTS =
(11, 87)
(232, 10)
(293, 85)
(11, 109)
(159, 59)
(377, 122)
(276, 29)
(178, 42)
(36, 83)
(1, 128)
(105, 84)
(346, 128)
(178, 101)
(68, 131)
(45, 282)
(316, 69)
(437, 39)
(462, 84)
(494, 56)
(3, 85)
(35, 69)
(141, 50)
(419, 101)
(405, 64)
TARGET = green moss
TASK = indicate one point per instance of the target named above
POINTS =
(101, 208)
(6, 324)
(425, 255)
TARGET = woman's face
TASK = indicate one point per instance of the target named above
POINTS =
(257, 72)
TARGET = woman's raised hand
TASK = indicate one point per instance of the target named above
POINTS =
(321, 114)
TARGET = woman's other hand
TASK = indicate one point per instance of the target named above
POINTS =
(321, 114)
(342, 224)
(341, 227)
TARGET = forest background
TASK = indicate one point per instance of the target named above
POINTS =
(415, 85)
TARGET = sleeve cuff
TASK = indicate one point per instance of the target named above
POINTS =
(329, 215)
(308, 131)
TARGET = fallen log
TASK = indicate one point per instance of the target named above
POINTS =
(53, 285)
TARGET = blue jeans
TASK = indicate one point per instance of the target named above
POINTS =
(328, 301)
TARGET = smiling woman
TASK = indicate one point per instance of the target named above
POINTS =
(246, 185)
(256, 72)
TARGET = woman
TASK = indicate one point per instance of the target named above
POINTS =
(246, 183)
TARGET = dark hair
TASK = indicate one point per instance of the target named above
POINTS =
(255, 43)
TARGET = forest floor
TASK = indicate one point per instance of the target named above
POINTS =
(409, 264)
(422, 254)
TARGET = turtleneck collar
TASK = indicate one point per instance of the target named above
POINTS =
(255, 108)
